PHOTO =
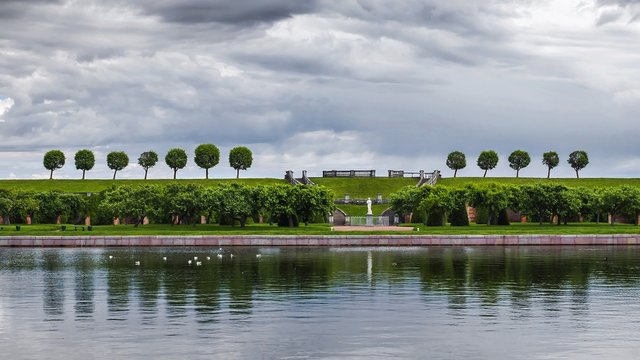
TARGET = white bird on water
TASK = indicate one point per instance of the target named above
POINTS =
(189, 262)
(231, 256)
(219, 256)
(199, 263)
(195, 258)
(137, 263)
(208, 257)
(164, 258)
(258, 256)
(110, 257)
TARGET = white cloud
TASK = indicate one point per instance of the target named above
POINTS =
(5, 105)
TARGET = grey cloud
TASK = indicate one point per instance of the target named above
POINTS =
(228, 12)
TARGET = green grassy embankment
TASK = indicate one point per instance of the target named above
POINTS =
(317, 229)
(362, 188)
(100, 185)
(571, 182)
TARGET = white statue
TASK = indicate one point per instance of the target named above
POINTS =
(369, 212)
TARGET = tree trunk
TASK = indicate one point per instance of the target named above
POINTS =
(51, 175)
(237, 173)
(83, 174)
(517, 173)
(206, 171)
(548, 172)
(145, 173)
(114, 174)
(577, 175)
(174, 173)
(485, 173)
(455, 172)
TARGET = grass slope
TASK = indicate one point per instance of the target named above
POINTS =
(99, 185)
(362, 188)
(572, 182)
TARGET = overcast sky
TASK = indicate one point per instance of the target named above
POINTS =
(320, 85)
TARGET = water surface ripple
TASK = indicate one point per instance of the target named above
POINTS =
(321, 303)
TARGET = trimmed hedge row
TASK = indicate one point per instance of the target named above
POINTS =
(226, 204)
(542, 202)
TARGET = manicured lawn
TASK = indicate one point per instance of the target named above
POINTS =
(99, 185)
(317, 229)
(362, 188)
(572, 182)
(361, 210)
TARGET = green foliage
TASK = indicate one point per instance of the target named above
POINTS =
(487, 160)
(519, 160)
(551, 160)
(503, 218)
(313, 201)
(206, 157)
(482, 216)
(53, 160)
(494, 198)
(147, 160)
(176, 159)
(117, 160)
(457, 214)
(240, 158)
(85, 160)
(435, 219)
(622, 200)
(578, 161)
(456, 161)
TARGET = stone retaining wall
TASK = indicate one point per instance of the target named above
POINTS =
(318, 240)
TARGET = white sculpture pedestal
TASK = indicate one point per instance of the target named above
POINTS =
(369, 220)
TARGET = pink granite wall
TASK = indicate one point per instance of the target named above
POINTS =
(330, 240)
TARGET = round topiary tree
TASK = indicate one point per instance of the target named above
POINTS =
(53, 160)
(456, 161)
(207, 156)
(240, 158)
(147, 160)
(487, 160)
(551, 160)
(578, 161)
(117, 160)
(85, 160)
(176, 159)
(519, 159)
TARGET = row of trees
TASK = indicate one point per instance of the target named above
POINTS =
(518, 160)
(206, 157)
(542, 202)
(224, 203)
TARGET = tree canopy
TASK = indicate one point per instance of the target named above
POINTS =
(518, 160)
(240, 158)
(456, 161)
(85, 160)
(147, 160)
(53, 160)
(206, 157)
(551, 160)
(176, 159)
(117, 160)
(487, 160)
(578, 161)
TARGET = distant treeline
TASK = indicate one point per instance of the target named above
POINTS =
(206, 156)
(540, 202)
(227, 204)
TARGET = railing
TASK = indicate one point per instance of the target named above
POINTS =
(349, 173)
(366, 221)
(402, 173)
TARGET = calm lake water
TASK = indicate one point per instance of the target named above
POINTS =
(328, 303)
